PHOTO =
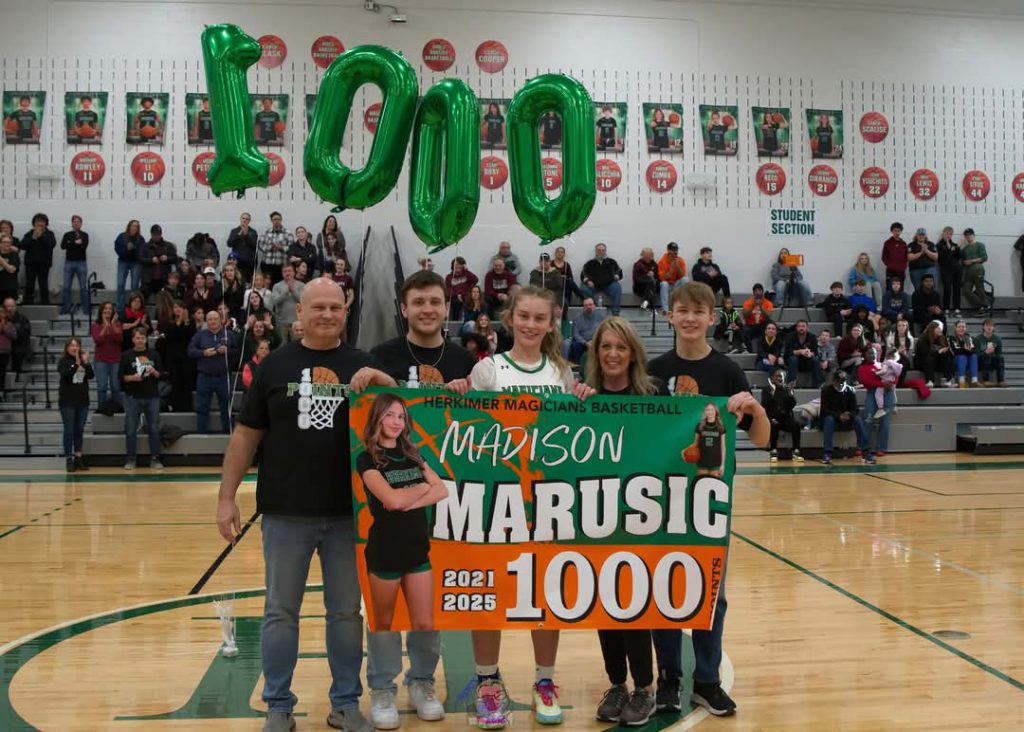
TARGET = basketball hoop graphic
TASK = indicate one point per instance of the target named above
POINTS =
(318, 405)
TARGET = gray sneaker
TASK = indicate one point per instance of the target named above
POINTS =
(279, 722)
(129, 464)
(638, 709)
(610, 708)
(349, 720)
(155, 464)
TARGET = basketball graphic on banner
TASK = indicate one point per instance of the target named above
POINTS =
(924, 184)
(201, 167)
(551, 170)
(976, 185)
(148, 168)
(493, 172)
(371, 117)
(823, 180)
(771, 179)
(661, 176)
(325, 49)
(87, 168)
(274, 51)
(874, 182)
(438, 54)
(874, 127)
(609, 175)
(491, 56)
(277, 168)
(1018, 187)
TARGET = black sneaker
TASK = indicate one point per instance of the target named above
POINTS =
(667, 696)
(826, 458)
(611, 705)
(713, 698)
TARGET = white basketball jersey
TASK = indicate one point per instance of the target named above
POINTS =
(540, 378)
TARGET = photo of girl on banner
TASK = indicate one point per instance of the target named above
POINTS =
(23, 116)
(708, 447)
(771, 131)
(199, 119)
(610, 123)
(492, 123)
(663, 125)
(147, 117)
(85, 114)
(718, 125)
(270, 118)
(825, 127)
(310, 107)
(550, 128)
(399, 486)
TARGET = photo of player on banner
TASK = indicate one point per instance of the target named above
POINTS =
(270, 118)
(147, 117)
(718, 124)
(663, 126)
(825, 129)
(198, 119)
(85, 114)
(771, 131)
(23, 116)
(550, 129)
(310, 108)
(610, 126)
(493, 113)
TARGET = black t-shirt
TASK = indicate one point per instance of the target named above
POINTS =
(86, 117)
(9, 280)
(924, 261)
(74, 245)
(398, 540)
(709, 443)
(205, 125)
(135, 362)
(73, 390)
(306, 468)
(606, 131)
(551, 131)
(714, 375)
(267, 122)
(25, 119)
(494, 123)
(716, 137)
(770, 137)
(824, 139)
(659, 135)
(148, 117)
(426, 368)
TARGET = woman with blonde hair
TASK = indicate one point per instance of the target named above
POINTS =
(862, 270)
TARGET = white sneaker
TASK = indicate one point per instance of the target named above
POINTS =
(383, 712)
(879, 414)
(424, 697)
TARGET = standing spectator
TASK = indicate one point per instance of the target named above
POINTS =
(242, 242)
(932, 354)
(214, 349)
(330, 245)
(272, 248)
(1018, 246)
(645, 280)
(177, 330)
(895, 303)
(769, 349)
(140, 374)
(826, 353)
(287, 294)
(473, 306)
(134, 316)
(902, 342)
(801, 352)
(730, 327)
(548, 278)
(926, 303)
(602, 276)
(850, 353)
(232, 285)
(562, 265)
(837, 308)
(7, 335)
(788, 280)
(23, 340)
(201, 296)
(107, 337)
(584, 326)
(876, 431)
(457, 284)
(671, 272)
(990, 355)
(249, 369)
(974, 257)
(862, 270)
(778, 402)
(894, 255)
(344, 281)
(303, 250)
(73, 399)
(922, 258)
(951, 270)
(499, 284)
(158, 257)
(174, 287)
(425, 263)
(839, 412)
(186, 274)
(706, 271)
(38, 245)
(511, 260)
(10, 263)
(255, 332)
(965, 355)
(7, 227)
(200, 248)
(74, 244)
(260, 287)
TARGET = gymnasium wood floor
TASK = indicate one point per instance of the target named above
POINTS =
(843, 585)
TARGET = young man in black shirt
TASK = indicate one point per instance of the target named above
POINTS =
(148, 117)
(74, 243)
(140, 373)
(266, 124)
(86, 116)
(550, 130)
(607, 130)
(28, 123)
(38, 245)
(203, 128)
(801, 354)
(695, 368)
(706, 271)
(242, 241)
(296, 410)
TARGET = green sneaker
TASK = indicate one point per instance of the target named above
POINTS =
(546, 709)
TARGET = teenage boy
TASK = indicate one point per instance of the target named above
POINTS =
(859, 297)
(691, 313)
(826, 352)
(837, 308)
(894, 255)
(895, 303)
(927, 304)
(706, 271)
(974, 258)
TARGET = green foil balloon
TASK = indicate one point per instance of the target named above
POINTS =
(555, 217)
(227, 53)
(329, 178)
(444, 182)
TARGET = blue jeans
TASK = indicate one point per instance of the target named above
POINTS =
(793, 367)
(206, 387)
(73, 418)
(828, 428)
(134, 407)
(916, 275)
(613, 290)
(967, 366)
(384, 657)
(108, 382)
(707, 647)
(876, 432)
(802, 294)
(664, 288)
(288, 547)
(124, 271)
(76, 270)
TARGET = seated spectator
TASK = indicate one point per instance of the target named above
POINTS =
(730, 327)
(926, 304)
(882, 330)
(671, 272)
(706, 271)
(458, 283)
(425, 263)
(769, 349)
(10, 265)
(232, 285)
(562, 265)
(201, 296)
(756, 313)
(498, 285)
(484, 328)
(547, 277)
(302, 273)
(778, 402)
(287, 294)
(838, 411)
(158, 257)
(177, 329)
(200, 248)
(7, 335)
(199, 318)
(297, 331)
(965, 355)
(826, 354)
(974, 256)
(174, 287)
(789, 281)
(922, 258)
(472, 307)
(645, 280)
(850, 353)
(900, 340)
(249, 370)
(865, 320)
(601, 276)
(511, 261)
(862, 270)
(860, 297)
(584, 326)
(134, 316)
(837, 308)
(345, 281)
(256, 331)
(990, 355)
(801, 353)
(895, 302)
(894, 255)
(476, 344)
(186, 273)
(214, 349)
(257, 310)
(932, 354)
(303, 250)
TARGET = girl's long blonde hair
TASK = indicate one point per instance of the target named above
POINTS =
(371, 435)
(551, 346)
(639, 382)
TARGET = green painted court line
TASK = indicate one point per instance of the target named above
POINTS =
(887, 615)
(12, 530)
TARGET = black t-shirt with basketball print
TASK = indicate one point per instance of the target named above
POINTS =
(86, 117)
(267, 122)
(25, 118)
(300, 398)
(427, 368)
(770, 137)
(716, 137)
(148, 118)
(398, 540)
(709, 443)
(606, 131)
(714, 375)
(551, 131)
(824, 139)
(494, 123)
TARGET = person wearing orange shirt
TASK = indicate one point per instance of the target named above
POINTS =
(671, 271)
(757, 311)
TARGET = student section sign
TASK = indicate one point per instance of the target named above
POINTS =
(789, 222)
(561, 513)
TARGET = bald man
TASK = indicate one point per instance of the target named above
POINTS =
(295, 409)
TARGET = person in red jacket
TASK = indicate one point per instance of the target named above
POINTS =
(249, 370)
(458, 283)
(499, 284)
(107, 339)
(877, 442)
(894, 255)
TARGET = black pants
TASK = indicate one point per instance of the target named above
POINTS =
(646, 288)
(788, 424)
(721, 282)
(952, 283)
(634, 646)
(5, 358)
(932, 363)
(37, 273)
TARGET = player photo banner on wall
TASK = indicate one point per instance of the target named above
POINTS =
(825, 130)
(771, 131)
(199, 119)
(718, 127)
(507, 510)
(610, 126)
(23, 116)
(85, 115)
(550, 130)
(270, 118)
(493, 113)
(663, 127)
(147, 117)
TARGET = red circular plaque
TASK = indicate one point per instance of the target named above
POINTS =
(551, 169)
(609, 175)
(148, 168)
(325, 49)
(771, 179)
(976, 185)
(823, 180)
(87, 168)
(661, 176)
(491, 56)
(493, 172)
(874, 127)
(439, 54)
(274, 51)
(924, 184)
(874, 182)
